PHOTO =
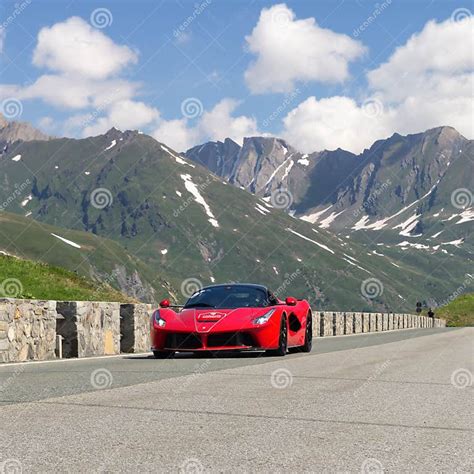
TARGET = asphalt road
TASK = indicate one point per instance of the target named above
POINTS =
(396, 401)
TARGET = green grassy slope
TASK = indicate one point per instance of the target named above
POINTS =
(460, 312)
(26, 279)
(97, 259)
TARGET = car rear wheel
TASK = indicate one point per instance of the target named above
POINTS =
(163, 354)
(308, 335)
(283, 340)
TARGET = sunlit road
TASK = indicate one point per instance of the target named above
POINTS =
(395, 401)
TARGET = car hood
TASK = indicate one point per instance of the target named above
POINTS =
(207, 319)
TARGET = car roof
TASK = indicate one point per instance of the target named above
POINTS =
(253, 285)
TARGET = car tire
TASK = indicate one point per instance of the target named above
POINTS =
(282, 341)
(163, 354)
(308, 335)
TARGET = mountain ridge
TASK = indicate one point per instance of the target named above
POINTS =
(189, 224)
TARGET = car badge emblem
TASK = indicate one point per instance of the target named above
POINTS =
(211, 316)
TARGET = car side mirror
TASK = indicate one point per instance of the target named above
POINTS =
(165, 304)
(290, 301)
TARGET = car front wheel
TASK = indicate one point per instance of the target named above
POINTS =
(282, 341)
(308, 335)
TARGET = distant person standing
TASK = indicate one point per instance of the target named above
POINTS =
(432, 316)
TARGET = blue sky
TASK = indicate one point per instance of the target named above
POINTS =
(208, 61)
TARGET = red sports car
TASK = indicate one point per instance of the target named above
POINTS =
(233, 317)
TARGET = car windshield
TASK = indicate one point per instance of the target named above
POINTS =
(229, 297)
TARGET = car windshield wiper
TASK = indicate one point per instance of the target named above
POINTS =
(197, 305)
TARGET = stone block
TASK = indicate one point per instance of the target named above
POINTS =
(357, 323)
(384, 321)
(135, 327)
(348, 323)
(365, 322)
(89, 328)
(372, 322)
(328, 324)
(26, 329)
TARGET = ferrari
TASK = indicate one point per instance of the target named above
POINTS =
(232, 317)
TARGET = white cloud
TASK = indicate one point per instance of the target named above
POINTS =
(429, 79)
(335, 122)
(290, 50)
(177, 134)
(72, 91)
(85, 64)
(441, 51)
(124, 115)
(75, 47)
(215, 124)
(426, 83)
(219, 123)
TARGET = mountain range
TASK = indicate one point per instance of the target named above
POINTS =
(377, 231)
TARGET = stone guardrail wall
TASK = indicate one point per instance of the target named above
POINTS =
(331, 323)
(35, 330)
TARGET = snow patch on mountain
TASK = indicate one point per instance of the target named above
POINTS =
(324, 224)
(466, 216)
(66, 241)
(313, 218)
(311, 240)
(304, 160)
(112, 144)
(26, 200)
(194, 190)
(176, 157)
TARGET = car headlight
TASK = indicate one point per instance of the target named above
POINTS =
(159, 320)
(264, 318)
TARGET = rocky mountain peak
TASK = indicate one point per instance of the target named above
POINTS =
(3, 121)
(13, 131)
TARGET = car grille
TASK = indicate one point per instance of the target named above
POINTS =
(183, 341)
(230, 339)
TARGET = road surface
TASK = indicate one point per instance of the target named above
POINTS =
(394, 401)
